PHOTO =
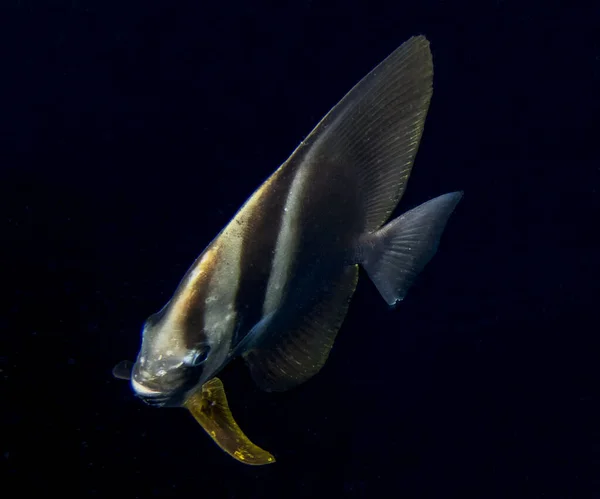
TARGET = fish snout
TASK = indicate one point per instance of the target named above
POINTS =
(165, 388)
(147, 392)
(145, 385)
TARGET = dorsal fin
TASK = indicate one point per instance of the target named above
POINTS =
(375, 130)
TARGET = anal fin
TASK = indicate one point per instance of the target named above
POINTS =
(297, 348)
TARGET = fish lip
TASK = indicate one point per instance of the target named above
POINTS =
(156, 398)
(162, 392)
(164, 400)
(158, 401)
(143, 391)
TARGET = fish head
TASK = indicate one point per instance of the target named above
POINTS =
(168, 367)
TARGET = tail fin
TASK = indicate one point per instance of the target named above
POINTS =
(394, 255)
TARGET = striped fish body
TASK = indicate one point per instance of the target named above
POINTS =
(274, 286)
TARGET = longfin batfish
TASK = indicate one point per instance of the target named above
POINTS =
(275, 284)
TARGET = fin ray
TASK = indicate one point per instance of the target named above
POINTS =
(395, 254)
(293, 353)
(375, 130)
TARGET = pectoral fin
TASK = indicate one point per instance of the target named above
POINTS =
(209, 407)
(123, 370)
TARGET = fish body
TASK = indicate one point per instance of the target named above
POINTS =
(275, 284)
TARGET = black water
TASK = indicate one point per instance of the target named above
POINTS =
(130, 134)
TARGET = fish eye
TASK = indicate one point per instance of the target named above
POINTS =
(198, 356)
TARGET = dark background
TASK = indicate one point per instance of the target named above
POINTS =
(131, 131)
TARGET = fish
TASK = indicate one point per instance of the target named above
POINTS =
(274, 286)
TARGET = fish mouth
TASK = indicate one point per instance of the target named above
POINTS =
(154, 398)
(154, 401)
(158, 398)
(143, 390)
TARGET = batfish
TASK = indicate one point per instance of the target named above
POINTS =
(275, 284)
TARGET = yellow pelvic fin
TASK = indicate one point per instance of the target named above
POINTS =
(209, 407)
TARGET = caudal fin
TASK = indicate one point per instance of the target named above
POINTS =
(394, 255)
